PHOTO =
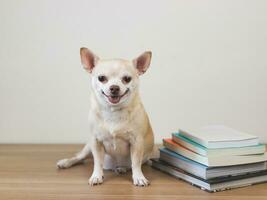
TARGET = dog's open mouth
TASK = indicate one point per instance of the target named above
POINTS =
(114, 99)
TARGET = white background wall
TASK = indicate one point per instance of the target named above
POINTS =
(209, 64)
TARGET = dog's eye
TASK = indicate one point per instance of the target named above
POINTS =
(126, 79)
(102, 79)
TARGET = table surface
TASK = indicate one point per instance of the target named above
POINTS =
(29, 172)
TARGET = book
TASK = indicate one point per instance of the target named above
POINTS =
(212, 185)
(204, 171)
(230, 151)
(213, 161)
(219, 136)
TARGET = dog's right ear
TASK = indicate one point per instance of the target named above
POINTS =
(88, 59)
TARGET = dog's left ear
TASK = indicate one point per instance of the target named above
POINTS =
(142, 62)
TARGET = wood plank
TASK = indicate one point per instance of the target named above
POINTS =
(29, 172)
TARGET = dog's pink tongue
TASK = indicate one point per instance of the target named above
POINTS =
(114, 100)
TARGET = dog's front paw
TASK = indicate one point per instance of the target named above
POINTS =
(95, 179)
(63, 164)
(140, 181)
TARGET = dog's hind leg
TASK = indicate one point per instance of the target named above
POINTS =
(79, 158)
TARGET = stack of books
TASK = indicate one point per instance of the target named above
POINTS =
(214, 158)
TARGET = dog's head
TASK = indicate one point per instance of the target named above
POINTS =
(115, 81)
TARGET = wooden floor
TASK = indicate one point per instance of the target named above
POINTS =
(29, 172)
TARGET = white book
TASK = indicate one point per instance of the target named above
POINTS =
(230, 151)
(219, 136)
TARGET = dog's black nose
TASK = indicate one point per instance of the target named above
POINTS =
(114, 89)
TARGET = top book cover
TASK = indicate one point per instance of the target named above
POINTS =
(219, 136)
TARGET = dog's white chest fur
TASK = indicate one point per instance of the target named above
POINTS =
(116, 131)
(114, 124)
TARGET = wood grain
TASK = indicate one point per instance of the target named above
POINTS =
(29, 172)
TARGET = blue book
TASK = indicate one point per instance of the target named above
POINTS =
(204, 171)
